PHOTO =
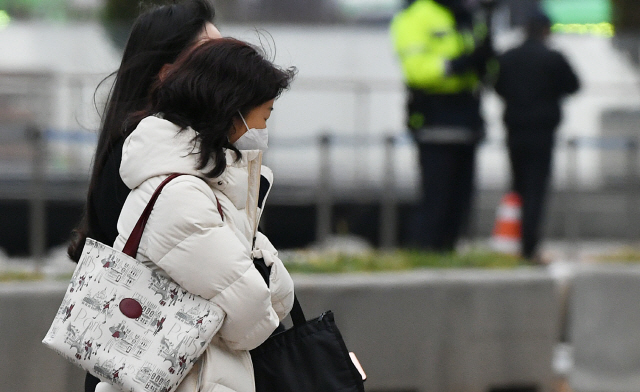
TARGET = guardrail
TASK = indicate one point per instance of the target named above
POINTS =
(324, 191)
(626, 145)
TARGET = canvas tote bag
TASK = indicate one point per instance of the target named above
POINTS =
(128, 325)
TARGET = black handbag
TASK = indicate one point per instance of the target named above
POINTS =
(311, 356)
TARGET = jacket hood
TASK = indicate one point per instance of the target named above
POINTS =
(159, 147)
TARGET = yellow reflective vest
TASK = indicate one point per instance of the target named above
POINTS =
(425, 38)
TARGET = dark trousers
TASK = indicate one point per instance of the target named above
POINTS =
(530, 170)
(447, 173)
(90, 383)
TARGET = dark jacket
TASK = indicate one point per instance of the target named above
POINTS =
(108, 198)
(532, 80)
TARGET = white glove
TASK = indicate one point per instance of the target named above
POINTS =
(106, 387)
(280, 282)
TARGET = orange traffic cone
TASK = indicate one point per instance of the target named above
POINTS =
(507, 232)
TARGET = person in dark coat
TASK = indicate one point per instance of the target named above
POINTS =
(532, 81)
(157, 37)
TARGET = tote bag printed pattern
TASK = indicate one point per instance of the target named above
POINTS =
(128, 325)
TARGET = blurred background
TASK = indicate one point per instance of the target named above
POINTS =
(345, 167)
(338, 136)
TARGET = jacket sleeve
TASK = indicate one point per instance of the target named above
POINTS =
(568, 82)
(280, 282)
(421, 65)
(190, 242)
(426, 41)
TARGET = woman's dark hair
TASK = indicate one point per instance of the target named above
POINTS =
(208, 86)
(157, 37)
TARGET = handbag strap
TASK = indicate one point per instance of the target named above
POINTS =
(131, 247)
(297, 315)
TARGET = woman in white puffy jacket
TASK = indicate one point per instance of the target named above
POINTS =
(207, 118)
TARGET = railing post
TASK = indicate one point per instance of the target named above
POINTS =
(37, 210)
(361, 126)
(388, 207)
(571, 203)
(632, 183)
(324, 193)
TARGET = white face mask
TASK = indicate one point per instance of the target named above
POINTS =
(253, 139)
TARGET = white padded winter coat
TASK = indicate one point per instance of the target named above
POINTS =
(208, 254)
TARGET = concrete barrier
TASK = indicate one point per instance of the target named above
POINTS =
(444, 331)
(605, 328)
(26, 365)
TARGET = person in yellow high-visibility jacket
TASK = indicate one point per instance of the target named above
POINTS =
(444, 55)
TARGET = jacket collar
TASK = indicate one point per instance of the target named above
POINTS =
(159, 147)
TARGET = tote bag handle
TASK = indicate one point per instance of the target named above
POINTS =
(131, 247)
(297, 315)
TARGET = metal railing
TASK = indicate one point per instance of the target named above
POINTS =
(629, 178)
(325, 192)
(388, 200)
(37, 210)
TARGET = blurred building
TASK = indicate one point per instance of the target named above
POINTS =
(52, 9)
(349, 86)
(48, 77)
(332, 11)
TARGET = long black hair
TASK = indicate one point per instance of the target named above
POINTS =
(208, 86)
(157, 37)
